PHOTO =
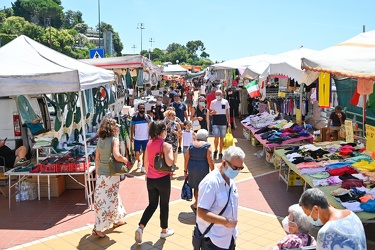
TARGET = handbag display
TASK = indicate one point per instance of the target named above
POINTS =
(116, 167)
(228, 139)
(186, 191)
(160, 164)
(198, 236)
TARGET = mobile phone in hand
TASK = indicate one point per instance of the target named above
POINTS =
(5, 139)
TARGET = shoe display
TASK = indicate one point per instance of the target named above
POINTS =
(23, 162)
(138, 165)
(215, 154)
(138, 235)
(168, 233)
(143, 170)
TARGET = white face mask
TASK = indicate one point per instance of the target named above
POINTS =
(218, 97)
(285, 223)
(317, 222)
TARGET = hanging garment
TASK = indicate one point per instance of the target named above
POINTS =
(324, 90)
(365, 86)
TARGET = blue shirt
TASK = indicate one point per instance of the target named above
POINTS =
(180, 109)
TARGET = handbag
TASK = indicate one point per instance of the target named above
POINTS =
(228, 139)
(196, 125)
(186, 191)
(116, 167)
(198, 236)
(160, 164)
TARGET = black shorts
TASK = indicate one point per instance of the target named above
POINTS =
(9, 156)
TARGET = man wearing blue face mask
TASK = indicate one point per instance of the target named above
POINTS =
(218, 202)
(342, 229)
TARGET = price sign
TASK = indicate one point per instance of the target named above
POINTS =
(349, 131)
(282, 94)
(370, 138)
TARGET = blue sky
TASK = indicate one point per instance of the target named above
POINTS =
(230, 29)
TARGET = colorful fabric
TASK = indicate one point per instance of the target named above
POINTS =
(253, 88)
(365, 86)
(324, 90)
(292, 241)
(108, 206)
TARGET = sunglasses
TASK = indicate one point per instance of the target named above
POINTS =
(235, 167)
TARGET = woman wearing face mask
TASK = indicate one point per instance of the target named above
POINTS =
(342, 229)
(201, 113)
(157, 111)
(297, 225)
(173, 131)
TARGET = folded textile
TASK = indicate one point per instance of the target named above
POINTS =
(341, 171)
(347, 176)
(334, 180)
(337, 165)
(339, 191)
(303, 165)
(353, 206)
(351, 183)
(320, 175)
(366, 197)
(313, 170)
(321, 183)
(369, 206)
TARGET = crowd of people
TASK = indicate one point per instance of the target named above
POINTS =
(168, 129)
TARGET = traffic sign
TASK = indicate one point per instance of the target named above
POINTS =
(96, 53)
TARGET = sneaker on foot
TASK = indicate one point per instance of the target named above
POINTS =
(138, 165)
(23, 162)
(168, 233)
(220, 156)
(138, 235)
(143, 169)
(215, 154)
(179, 150)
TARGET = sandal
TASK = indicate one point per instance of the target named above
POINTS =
(100, 235)
(193, 208)
(118, 224)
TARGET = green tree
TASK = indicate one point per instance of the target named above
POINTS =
(13, 25)
(72, 18)
(81, 28)
(116, 41)
(173, 47)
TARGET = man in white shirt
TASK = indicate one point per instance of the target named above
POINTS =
(219, 109)
(216, 190)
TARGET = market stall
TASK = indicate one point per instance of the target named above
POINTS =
(331, 169)
(45, 71)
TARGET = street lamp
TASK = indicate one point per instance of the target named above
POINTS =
(134, 47)
(177, 61)
(99, 20)
(141, 26)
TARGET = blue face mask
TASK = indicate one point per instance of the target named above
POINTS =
(218, 97)
(230, 173)
(160, 103)
(202, 104)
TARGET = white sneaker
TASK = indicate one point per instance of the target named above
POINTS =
(143, 170)
(138, 165)
(168, 233)
(138, 235)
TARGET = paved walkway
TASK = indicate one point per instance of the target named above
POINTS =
(66, 223)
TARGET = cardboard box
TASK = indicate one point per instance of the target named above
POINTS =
(294, 179)
(254, 141)
(72, 184)
(57, 185)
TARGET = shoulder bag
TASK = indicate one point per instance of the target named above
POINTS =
(198, 236)
(160, 164)
(116, 167)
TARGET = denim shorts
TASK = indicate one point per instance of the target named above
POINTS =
(219, 130)
(184, 149)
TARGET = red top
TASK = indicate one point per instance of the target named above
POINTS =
(210, 97)
(154, 147)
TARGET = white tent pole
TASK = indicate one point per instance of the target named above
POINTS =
(87, 172)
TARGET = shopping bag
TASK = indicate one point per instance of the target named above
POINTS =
(228, 139)
(186, 191)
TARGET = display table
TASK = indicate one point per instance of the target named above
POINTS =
(364, 216)
(88, 174)
(270, 146)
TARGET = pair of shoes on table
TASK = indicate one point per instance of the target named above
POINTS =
(99, 234)
(168, 233)
(23, 162)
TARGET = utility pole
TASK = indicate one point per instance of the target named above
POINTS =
(151, 41)
(150, 49)
(99, 20)
(141, 26)
(134, 47)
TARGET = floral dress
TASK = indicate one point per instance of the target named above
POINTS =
(108, 206)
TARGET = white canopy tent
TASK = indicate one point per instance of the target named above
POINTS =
(354, 58)
(28, 67)
(174, 69)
